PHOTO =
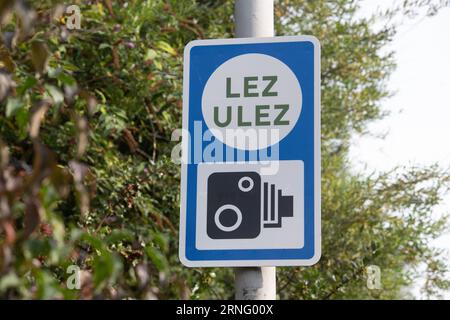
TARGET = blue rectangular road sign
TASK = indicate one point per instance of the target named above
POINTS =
(250, 185)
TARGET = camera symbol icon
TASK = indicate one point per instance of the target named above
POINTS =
(240, 203)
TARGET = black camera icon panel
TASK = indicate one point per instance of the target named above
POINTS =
(234, 205)
(235, 209)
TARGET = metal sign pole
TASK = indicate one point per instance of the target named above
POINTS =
(254, 18)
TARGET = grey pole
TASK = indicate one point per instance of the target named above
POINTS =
(254, 18)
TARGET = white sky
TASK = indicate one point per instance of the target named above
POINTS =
(418, 129)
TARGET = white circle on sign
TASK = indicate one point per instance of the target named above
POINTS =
(221, 210)
(241, 184)
(251, 101)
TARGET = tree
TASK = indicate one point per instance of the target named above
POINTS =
(86, 178)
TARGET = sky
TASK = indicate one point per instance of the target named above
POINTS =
(418, 127)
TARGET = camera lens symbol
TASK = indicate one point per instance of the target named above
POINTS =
(219, 213)
(245, 184)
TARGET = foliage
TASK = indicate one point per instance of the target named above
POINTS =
(86, 178)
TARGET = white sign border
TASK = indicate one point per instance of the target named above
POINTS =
(317, 158)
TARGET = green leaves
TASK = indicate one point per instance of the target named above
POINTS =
(162, 45)
(28, 83)
(39, 56)
(55, 94)
(150, 54)
(112, 120)
(157, 258)
(13, 106)
(9, 280)
(107, 267)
